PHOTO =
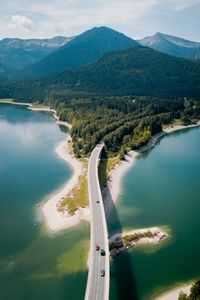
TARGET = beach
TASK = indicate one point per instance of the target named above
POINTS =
(54, 219)
(112, 192)
(173, 294)
(113, 189)
(47, 109)
(179, 127)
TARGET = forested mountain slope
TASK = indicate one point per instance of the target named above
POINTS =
(134, 71)
(82, 50)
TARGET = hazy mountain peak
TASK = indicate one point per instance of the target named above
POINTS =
(84, 49)
(29, 44)
(172, 45)
(18, 53)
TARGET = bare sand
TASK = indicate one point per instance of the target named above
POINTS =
(179, 127)
(15, 103)
(63, 123)
(44, 109)
(174, 293)
(56, 220)
(48, 109)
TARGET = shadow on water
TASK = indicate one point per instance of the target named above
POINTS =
(122, 270)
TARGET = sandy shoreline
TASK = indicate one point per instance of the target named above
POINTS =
(173, 294)
(55, 220)
(42, 109)
(180, 127)
(113, 190)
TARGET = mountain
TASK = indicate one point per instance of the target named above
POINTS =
(5, 71)
(138, 70)
(172, 45)
(84, 49)
(134, 71)
(19, 53)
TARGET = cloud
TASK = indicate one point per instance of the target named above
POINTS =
(21, 22)
(37, 18)
(182, 4)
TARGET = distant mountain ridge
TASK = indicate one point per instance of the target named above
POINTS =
(31, 44)
(84, 49)
(134, 71)
(172, 45)
(19, 53)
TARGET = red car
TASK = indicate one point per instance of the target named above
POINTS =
(97, 247)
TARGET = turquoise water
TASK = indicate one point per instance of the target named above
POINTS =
(33, 263)
(161, 189)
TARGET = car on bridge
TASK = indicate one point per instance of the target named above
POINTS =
(97, 247)
(103, 252)
(102, 273)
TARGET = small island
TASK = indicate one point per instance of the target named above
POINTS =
(122, 242)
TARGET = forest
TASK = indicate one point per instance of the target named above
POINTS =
(123, 99)
(123, 123)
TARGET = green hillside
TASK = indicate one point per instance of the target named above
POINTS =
(82, 50)
(139, 70)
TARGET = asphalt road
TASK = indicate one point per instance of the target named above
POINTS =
(97, 285)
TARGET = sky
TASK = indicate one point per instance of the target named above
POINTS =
(135, 18)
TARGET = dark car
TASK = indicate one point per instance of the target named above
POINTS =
(102, 273)
(103, 252)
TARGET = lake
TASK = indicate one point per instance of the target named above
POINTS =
(161, 189)
(35, 264)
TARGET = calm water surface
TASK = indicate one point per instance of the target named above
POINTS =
(33, 263)
(163, 188)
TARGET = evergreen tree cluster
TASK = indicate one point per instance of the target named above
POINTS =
(123, 123)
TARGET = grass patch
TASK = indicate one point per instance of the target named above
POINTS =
(136, 236)
(78, 196)
(176, 122)
(131, 238)
(105, 166)
(40, 106)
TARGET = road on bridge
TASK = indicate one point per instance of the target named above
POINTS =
(97, 285)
